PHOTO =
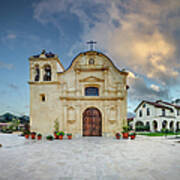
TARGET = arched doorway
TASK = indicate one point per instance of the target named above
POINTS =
(164, 124)
(155, 125)
(171, 126)
(177, 126)
(139, 126)
(147, 126)
(92, 122)
(139, 123)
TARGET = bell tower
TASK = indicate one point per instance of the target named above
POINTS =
(44, 82)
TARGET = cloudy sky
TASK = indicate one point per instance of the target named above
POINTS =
(142, 36)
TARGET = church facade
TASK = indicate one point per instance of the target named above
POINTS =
(87, 99)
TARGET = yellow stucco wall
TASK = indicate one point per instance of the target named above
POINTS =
(65, 98)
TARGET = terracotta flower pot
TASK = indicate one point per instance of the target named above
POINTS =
(39, 137)
(33, 136)
(60, 137)
(118, 137)
(125, 135)
(27, 136)
(56, 136)
(69, 136)
(133, 136)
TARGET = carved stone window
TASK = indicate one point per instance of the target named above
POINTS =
(47, 73)
(91, 91)
(91, 61)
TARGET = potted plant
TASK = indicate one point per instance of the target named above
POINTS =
(55, 135)
(33, 135)
(118, 135)
(39, 136)
(60, 134)
(69, 135)
(49, 137)
(26, 135)
(132, 135)
(125, 132)
(56, 127)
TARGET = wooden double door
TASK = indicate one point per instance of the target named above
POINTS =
(92, 122)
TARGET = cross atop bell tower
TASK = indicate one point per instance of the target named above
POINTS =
(91, 43)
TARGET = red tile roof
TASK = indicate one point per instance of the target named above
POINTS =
(176, 106)
(130, 119)
(154, 104)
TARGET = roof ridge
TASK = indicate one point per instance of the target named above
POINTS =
(171, 104)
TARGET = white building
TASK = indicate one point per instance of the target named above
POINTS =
(157, 115)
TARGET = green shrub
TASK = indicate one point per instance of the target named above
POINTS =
(49, 137)
(125, 129)
(69, 134)
(142, 128)
(61, 133)
(165, 130)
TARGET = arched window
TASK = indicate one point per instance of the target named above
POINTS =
(140, 113)
(148, 112)
(91, 61)
(163, 112)
(37, 73)
(47, 73)
(91, 91)
(178, 112)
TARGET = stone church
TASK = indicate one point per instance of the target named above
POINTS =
(89, 98)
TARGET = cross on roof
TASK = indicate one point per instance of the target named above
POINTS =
(91, 44)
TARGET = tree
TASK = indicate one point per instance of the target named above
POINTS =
(26, 128)
(14, 124)
(56, 125)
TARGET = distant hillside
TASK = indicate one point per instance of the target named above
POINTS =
(7, 117)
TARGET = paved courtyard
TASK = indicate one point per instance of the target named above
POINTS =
(95, 158)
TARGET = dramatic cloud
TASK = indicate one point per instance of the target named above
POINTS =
(6, 66)
(137, 39)
(139, 90)
(57, 12)
(139, 35)
(155, 87)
